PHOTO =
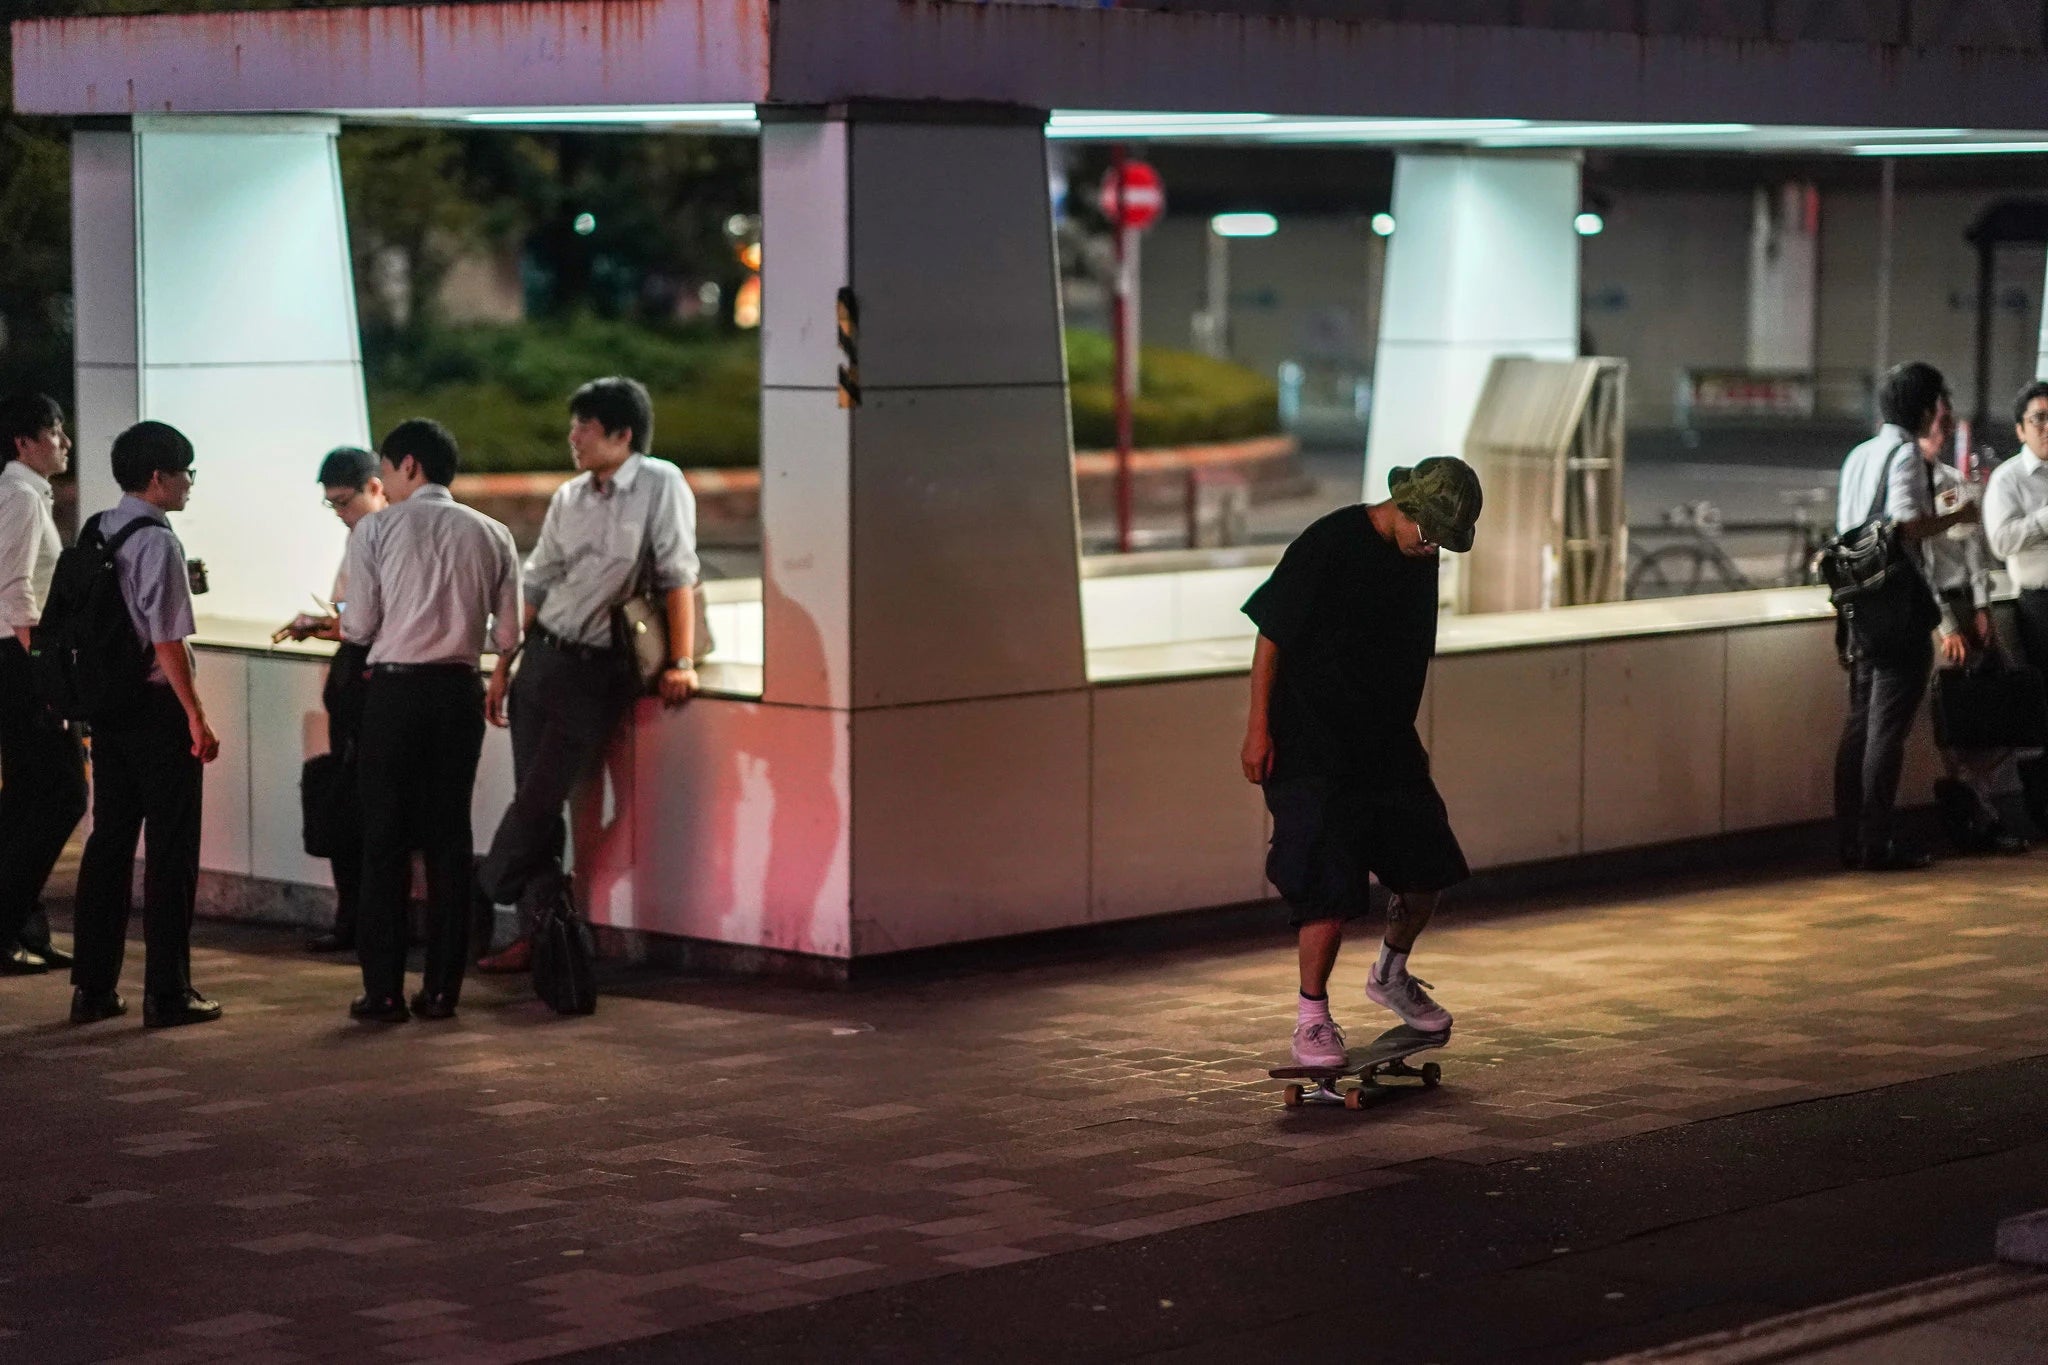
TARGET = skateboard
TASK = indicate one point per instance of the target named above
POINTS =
(1385, 1055)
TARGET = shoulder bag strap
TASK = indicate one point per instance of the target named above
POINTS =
(1884, 482)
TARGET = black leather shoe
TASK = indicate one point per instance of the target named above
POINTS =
(385, 1009)
(19, 961)
(1894, 857)
(50, 953)
(435, 1006)
(330, 942)
(189, 1008)
(89, 1007)
(2010, 845)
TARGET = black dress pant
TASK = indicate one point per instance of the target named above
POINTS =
(423, 730)
(347, 681)
(146, 783)
(1884, 699)
(42, 800)
(2031, 616)
(564, 710)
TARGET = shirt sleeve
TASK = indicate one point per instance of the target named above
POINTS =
(20, 540)
(1280, 607)
(1907, 497)
(547, 565)
(672, 539)
(506, 608)
(363, 612)
(163, 590)
(2008, 527)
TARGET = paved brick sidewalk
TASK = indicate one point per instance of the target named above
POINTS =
(287, 1186)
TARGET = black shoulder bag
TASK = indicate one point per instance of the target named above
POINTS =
(1875, 586)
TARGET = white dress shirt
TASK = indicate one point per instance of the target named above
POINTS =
(2016, 518)
(424, 577)
(1957, 562)
(1906, 494)
(28, 545)
(593, 540)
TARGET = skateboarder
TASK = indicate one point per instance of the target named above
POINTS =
(1347, 625)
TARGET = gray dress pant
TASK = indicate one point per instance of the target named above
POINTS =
(564, 709)
(1884, 700)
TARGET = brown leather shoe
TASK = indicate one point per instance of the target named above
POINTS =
(514, 958)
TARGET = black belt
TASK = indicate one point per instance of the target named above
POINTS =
(587, 653)
(415, 670)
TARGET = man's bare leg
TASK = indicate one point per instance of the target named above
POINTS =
(1317, 1039)
(1319, 941)
(1407, 916)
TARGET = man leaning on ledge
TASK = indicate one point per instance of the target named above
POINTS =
(627, 521)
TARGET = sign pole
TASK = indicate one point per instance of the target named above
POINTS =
(1124, 360)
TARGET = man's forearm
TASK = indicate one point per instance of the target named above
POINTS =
(1265, 666)
(681, 604)
(177, 667)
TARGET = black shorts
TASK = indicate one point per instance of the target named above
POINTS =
(1330, 837)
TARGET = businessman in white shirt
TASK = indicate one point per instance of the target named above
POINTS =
(2016, 525)
(41, 766)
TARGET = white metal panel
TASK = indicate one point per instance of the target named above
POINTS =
(1507, 730)
(493, 790)
(286, 713)
(806, 533)
(604, 828)
(973, 820)
(1129, 611)
(109, 402)
(804, 252)
(223, 682)
(953, 255)
(244, 250)
(103, 247)
(1209, 605)
(255, 515)
(1175, 823)
(966, 581)
(1653, 740)
(1787, 698)
(741, 823)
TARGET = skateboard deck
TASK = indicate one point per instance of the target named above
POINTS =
(1386, 1055)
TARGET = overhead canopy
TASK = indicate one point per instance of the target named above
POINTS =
(636, 53)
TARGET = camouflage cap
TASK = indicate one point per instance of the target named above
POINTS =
(1442, 495)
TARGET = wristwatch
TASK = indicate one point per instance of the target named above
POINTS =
(685, 665)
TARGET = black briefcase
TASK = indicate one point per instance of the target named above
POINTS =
(324, 787)
(1990, 708)
(564, 975)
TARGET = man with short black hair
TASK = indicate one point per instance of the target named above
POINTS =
(426, 578)
(349, 488)
(149, 757)
(1885, 476)
(1347, 626)
(627, 517)
(41, 765)
(2016, 527)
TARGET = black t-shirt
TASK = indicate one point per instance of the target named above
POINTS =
(1354, 620)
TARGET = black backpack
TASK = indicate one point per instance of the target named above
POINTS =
(88, 660)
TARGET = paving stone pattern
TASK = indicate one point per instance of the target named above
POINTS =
(288, 1186)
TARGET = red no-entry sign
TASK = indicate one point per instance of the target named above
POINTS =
(1144, 197)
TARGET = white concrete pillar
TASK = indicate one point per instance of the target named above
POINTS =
(213, 292)
(1483, 262)
(1784, 278)
(921, 578)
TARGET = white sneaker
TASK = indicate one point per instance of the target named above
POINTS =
(1319, 1042)
(1405, 996)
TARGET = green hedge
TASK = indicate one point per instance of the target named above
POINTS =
(504, 391)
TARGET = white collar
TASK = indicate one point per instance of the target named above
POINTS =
(432, 492)
(2030, 462)
(622, 477)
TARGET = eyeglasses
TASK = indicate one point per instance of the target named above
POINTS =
(336, 504)
(2035, 419)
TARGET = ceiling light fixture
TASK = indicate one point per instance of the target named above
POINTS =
(732, 115)
(1948, 148)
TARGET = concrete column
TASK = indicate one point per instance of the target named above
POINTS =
(921, 579)
(213, 291)
(1483, 262)
(1784, 278)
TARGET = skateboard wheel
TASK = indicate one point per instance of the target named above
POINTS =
(1291, 1097)
(1355, 1099)
(1431, 1074)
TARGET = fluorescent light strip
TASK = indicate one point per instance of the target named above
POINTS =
(1627, 131)
(1265, 126)
(701, 114)
(1947, 148)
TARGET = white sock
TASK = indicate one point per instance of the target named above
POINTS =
(1393, 961)
(1312, 1011)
